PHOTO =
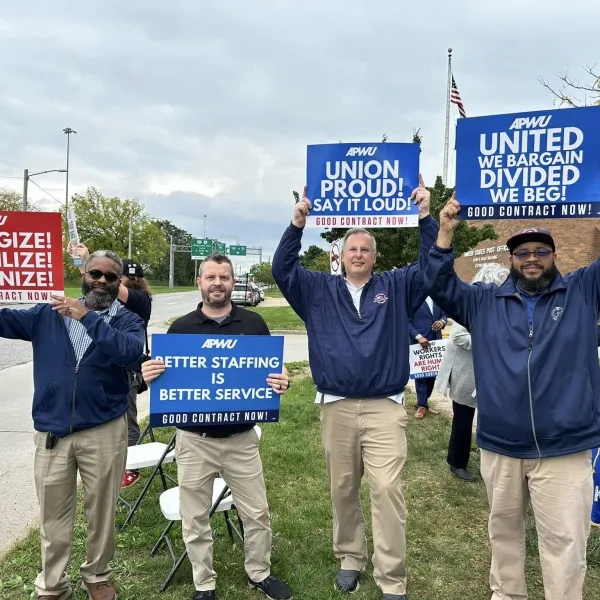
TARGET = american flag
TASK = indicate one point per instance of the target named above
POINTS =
(456, 99)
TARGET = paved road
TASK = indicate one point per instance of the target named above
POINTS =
(18, 503)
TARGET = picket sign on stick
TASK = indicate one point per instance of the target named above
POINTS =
(31, 257)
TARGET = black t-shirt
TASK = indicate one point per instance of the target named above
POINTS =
(238, 322)
(139, 302)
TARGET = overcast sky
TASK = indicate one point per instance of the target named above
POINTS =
(206, 107)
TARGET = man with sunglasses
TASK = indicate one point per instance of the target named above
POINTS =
(81, 348)
(538, 391)
(135, 295)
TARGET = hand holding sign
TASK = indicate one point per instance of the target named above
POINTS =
(302, 210)
(422, 197)
(151, 369)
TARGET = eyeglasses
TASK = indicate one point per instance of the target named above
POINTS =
(539, 253)
(96, 274)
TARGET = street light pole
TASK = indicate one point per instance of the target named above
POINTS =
(204, 217)
(68, 131)
(27, 176)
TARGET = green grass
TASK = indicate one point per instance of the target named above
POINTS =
(447, 556)
(276, 318)
(273, 293)
(280, 317)
(74, 291)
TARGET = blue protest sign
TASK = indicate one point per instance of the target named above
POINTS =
(543, 164)
(362, 185)
(215, 380)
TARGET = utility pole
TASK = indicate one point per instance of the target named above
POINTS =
(25, 184)
(171, 266)
(27, 176)
(68, 131)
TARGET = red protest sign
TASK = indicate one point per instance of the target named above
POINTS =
(31, 256)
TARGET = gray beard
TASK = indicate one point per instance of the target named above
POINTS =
(534, 286)
(95, 300)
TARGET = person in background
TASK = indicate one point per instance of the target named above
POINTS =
(457, 381)
(134, 295)
(426, 326)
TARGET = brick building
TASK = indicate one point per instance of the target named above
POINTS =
(577, 244)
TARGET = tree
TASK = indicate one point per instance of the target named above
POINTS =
(103, 224)
(568, 86)
(262, 273)
(184, 266)
(11, 200)
(321, 263)
(312, 254)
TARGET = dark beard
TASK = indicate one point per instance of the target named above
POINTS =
(96, 300)
(217, 304)
(534, 286)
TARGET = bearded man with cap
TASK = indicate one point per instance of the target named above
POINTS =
(538, 390)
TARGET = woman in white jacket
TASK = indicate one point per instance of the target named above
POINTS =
(456, 380)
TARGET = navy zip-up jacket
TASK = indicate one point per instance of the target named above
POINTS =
(355, 355)
(538, 389)
(69, 397)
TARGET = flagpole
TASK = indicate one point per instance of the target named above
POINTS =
(447, 139)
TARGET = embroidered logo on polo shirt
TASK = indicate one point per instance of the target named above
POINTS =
(556, 312)
(380, 299)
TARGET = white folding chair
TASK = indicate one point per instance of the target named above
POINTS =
(222, 501)
(142, 456)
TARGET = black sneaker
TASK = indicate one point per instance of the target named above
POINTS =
(347, 581)
(204, 595)
(273, 588)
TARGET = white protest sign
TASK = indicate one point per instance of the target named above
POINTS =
(425, 362)
(73, 236)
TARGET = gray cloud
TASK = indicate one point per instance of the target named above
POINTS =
(207, 107)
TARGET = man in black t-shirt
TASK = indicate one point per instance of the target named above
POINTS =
(230, 450)
(135, 296)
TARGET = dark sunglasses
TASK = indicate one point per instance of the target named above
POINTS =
(539, 253)
(96, 274)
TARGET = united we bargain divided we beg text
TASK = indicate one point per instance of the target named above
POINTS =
(532, 162)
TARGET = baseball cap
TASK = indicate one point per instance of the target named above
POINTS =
(132, 269)
(533, 234)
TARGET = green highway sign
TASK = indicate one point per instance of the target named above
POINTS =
(237, 250)
(221, 248)
(201, 248)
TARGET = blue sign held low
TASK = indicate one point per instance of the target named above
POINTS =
(543, 164)
(362, 185)
(215, 380)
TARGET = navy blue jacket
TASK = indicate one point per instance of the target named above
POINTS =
(422, 321)
(68, 397)
(354, 355)
(538, 391)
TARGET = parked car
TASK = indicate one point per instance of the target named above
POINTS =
(244, 294)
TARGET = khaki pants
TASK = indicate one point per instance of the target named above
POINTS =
(236, 458)
(100, 454)
(560, 490)
(368, 435)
